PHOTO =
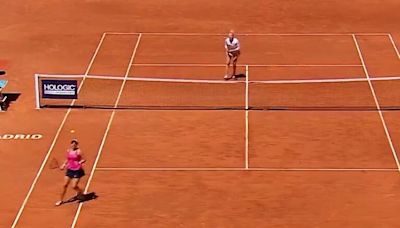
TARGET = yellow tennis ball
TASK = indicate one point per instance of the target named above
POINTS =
(72, 131)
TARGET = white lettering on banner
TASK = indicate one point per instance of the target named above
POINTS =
(56, 92)
(57, 89)
(21, 136)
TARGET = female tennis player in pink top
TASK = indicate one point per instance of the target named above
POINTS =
(73, 163)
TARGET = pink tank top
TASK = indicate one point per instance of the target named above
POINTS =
(73, 158)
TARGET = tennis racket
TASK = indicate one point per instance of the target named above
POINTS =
(54, 164)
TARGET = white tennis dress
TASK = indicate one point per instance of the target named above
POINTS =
(233, 46)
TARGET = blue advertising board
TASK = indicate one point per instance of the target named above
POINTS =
(60, 89)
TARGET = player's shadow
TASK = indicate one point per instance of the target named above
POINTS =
(84, 198)
(240, 76)
(11, 97)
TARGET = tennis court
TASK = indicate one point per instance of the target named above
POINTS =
(307, 136)
(184, 147)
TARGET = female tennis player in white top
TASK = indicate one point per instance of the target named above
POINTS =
(232, 47)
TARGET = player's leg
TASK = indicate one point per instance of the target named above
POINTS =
(228, 63)
(75, 182)
(64, 190)
(79, 191)
(234, 62)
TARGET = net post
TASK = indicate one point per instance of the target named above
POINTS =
(247, 88)
(246, 149)
(37, 100)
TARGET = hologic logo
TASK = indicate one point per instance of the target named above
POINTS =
(60, 89)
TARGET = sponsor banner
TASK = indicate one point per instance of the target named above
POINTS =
(21, 136)
(60, 89)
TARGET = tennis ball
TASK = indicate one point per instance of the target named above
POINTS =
(72, 131)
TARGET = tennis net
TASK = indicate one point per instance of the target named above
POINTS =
(105, 92)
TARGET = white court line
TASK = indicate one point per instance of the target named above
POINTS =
(389, 138)
(100, 151)
(46, 158)
(328, 80)
(242, 34)
(178, 80)
(394, 45)
(241, 65)
(307, 81)
(133, 169)
(247, 120)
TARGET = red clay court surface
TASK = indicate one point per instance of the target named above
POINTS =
(214, 168)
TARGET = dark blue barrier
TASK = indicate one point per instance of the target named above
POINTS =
(60, 89)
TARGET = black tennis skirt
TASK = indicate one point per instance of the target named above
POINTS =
(75, 173)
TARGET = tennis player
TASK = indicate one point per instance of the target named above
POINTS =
(232, 47)
(74, 172)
